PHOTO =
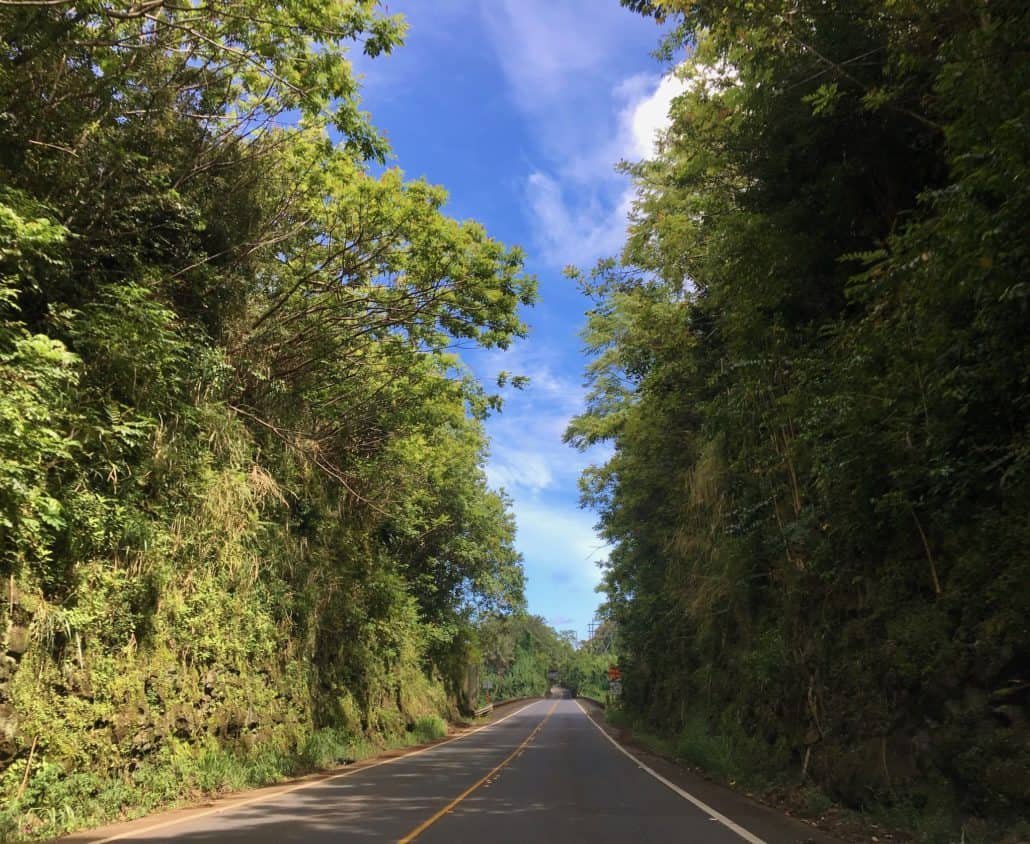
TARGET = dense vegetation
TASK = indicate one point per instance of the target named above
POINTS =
(518, 651)
(812, 361)
(243, 520)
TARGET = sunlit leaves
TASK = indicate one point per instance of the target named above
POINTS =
(235, 430)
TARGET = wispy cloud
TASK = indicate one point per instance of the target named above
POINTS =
(518, 468)
(562, 542)
(527, 456)
(539, 472)
(546, 51)
(574, 227)
(586, 118)
(579, 211)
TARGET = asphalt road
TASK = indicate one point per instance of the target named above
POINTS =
(545, 772)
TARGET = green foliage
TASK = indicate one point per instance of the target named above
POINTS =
(328, 746)
(39, 373)
(698, 744)
(586, 674)
(429, 728)
(517, 652)
(811, 362)
(244, 522)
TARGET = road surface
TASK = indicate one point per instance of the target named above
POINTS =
(545, 772)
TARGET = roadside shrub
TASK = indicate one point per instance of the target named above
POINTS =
(429, 728)
(327, 747)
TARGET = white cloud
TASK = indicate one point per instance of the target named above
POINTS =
(532, 43)
(647, 116)
(560, 65)
(570, 232)
(579, 210)
(561, 542)
(534, 360)
(513, 469)
(565, 72)
(550, 54)
(527, 456)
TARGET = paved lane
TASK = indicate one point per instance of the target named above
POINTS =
(572, 784)
(382, 803)
(544, 773)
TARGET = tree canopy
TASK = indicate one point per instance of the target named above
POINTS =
(812, 362)
(242, 502)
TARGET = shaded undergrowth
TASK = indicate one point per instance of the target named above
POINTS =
(738, 762)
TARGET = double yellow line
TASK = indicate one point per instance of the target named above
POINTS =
(422, 827)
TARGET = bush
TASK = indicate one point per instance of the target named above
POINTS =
(327, 747)
(430, 728)
(698, 744)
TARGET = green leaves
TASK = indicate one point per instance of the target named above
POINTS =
(36, 411)
(241, 466)
(259, 61)
(824, 98)
(789, 361)
(30, 245)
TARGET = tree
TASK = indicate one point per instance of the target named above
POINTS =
(243, 512)
(813, 307)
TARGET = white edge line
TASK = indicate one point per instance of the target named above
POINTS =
(686, 795)
(218, 809)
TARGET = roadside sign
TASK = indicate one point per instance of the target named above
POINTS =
(615, 688)
(614, 673)
(488, 684)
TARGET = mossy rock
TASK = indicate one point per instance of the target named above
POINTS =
(18, 640)
(180, 720)
(9, 723)
(7, 668)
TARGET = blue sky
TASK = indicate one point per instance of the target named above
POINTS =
(521, 109)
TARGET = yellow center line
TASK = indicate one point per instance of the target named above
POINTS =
(279, 791)
(422, 827)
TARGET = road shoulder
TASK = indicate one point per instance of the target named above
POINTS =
(763, 821)
(216, 804)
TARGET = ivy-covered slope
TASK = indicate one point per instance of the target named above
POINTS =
(813, 364)
(243, 520)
